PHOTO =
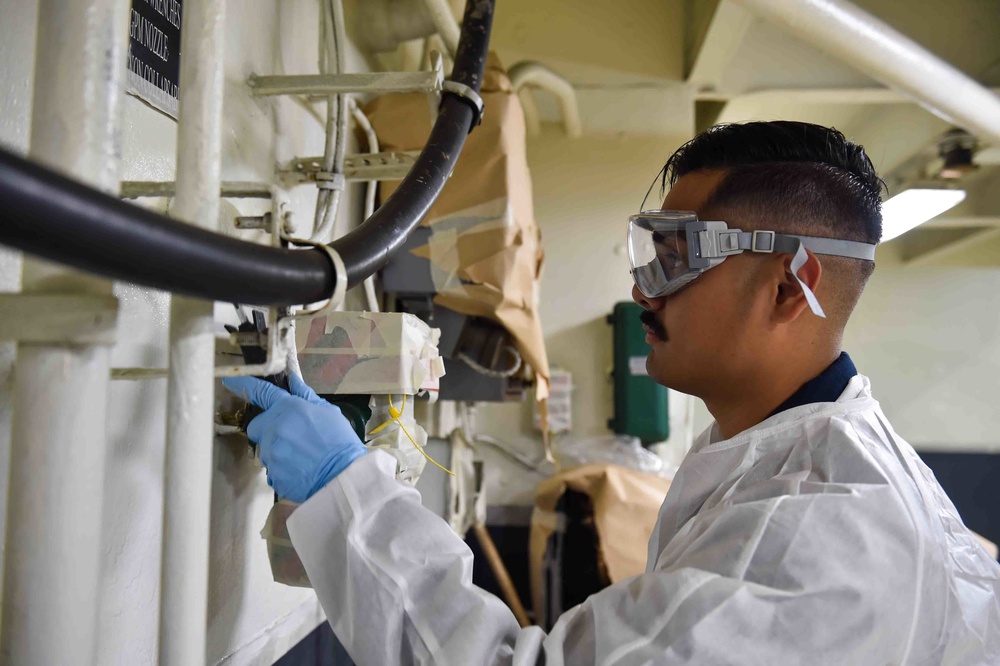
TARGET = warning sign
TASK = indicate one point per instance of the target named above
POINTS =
(154, 53)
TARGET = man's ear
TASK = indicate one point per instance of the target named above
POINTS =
(790, 301)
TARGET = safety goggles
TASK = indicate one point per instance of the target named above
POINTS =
(668, 249)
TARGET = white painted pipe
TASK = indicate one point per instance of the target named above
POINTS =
(537, 75)
(190, 383)
(445, 23)
(851, 34)
(53, 540)
(384, 24)
(532, 119)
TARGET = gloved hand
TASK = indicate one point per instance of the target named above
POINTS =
(304, 440)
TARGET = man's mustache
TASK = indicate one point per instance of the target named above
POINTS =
(649, 319)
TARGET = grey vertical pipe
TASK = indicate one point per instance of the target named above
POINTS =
(53, 540)
(190, 384)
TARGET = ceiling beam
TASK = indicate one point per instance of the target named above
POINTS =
(960, 244)
(722, 40)
(819, 96)
(982, 221)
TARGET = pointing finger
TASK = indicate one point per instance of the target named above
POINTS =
(261, 393)
(301, 389)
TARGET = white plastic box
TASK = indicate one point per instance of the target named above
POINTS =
(370, 353)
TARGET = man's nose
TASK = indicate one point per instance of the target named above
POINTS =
(646, 303)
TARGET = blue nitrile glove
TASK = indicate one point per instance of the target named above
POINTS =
(304, 440)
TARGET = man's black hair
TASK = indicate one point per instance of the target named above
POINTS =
(810, 179)
(794, 178)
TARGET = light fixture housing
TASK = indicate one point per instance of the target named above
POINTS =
(914, 206)
(956, 150)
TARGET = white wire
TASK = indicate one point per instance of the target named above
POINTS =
(501, 374)
(362, 120)
(326, 34)
(293, 353)
(328, 200)
(373, 147)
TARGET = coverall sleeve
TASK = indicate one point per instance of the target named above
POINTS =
(396, 585)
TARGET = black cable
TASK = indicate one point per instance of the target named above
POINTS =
(51, 216)
(368, 248)
(48, 215)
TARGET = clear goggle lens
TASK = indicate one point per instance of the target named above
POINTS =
(658, 253)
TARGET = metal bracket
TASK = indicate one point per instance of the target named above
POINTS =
(137, 189)
(361, 167)
(58, 318)
(330, 181)
(278, 341)
(322, 85)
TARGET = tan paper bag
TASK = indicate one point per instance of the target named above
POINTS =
(626, 505)
(485, 250)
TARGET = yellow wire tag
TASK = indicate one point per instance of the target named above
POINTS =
(394, 415)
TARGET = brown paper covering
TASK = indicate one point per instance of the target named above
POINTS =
(626, 505)
(486, 250)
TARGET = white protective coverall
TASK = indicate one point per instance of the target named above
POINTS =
(815, 537)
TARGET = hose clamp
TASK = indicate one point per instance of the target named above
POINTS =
(340, 286)
(469, 96)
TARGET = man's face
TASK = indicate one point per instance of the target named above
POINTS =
(702, 334)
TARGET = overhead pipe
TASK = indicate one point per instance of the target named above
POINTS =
(445, 23)
(58, 440)
(385, 24)
(48, 215)
(867, 43)
(532, 118)
(537, 75)
(187, 484)
(382, 25)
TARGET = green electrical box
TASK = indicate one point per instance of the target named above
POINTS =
(640, 403)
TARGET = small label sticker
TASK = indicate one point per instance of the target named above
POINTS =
(637, 366)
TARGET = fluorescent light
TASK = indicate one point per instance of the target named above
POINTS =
(913, 207)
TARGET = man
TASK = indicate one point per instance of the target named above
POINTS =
(800, 528)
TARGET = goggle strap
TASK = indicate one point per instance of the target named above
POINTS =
(788, 244)
(768, 241)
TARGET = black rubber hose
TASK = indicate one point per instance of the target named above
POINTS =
(56, 218)
(369, 247)
(49, 215)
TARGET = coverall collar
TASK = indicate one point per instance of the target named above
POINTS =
(827, 386)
